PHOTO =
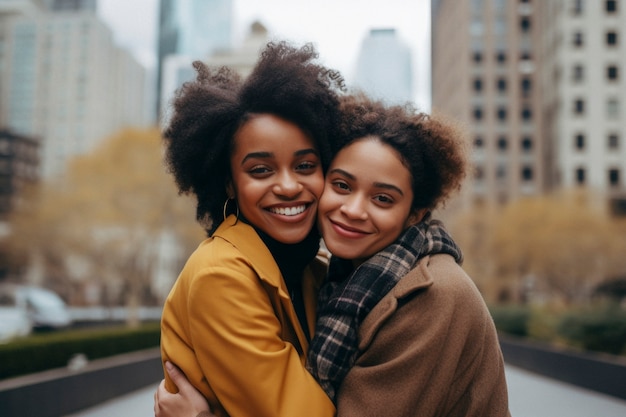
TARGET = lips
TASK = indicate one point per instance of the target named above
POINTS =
(347, 231)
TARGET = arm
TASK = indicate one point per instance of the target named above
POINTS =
(188, 402)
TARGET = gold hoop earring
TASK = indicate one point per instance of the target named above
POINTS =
(226, 207)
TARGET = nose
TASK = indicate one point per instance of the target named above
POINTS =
(355, 207)
(288, 185)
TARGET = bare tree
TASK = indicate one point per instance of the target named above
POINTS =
(562, 242)
(100, 224)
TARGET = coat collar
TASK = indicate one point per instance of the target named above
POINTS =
(418, 278)
(243, 236)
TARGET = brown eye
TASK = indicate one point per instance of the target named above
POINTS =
(306, 166)
(384, 199)
(259, 171)
(340, 186)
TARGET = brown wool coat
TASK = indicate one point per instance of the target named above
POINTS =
(429, 348)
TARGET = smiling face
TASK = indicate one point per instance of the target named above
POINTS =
(277, 177)
(367, 200)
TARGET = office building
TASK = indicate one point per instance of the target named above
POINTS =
(539, 87)
(19, 167)
(67, 84)
(383, 67)
(484, 75)
(583, 53)
(189, 30)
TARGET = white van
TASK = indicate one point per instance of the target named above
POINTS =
(44, 308)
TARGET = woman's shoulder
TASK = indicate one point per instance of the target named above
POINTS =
(236, 247)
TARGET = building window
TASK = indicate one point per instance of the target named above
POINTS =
(477, 28)
(612, 73)
(614, 180)
(580, 176)
(527, 173)
(527, 114)
(501, 172)
(503, 143)
(579, 141)
(611, 38)
(501, 85)
(526, 85)
(501, 57)
(578, 73)
(478, 113)
(524, 24)
(501, 114)
(478, 85)
(477, 57)
(612, 108)
(579, 107)
(577, 7)
(527, 144)
(613, 141)
(611, 6)
(578, 40)
(479, 142)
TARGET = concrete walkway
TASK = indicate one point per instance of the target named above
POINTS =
(530, 395)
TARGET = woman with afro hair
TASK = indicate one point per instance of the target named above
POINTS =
(401, 329)
(239, 319)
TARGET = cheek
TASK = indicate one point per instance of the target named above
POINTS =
(328, 201)
(317, 186)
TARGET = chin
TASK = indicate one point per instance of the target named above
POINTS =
(291, 239)
(341, 252)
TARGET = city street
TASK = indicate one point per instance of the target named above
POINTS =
(530, 395)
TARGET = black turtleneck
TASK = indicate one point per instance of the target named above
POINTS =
(291, 260)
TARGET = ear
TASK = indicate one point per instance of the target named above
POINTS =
(416, 216)
(230, 190)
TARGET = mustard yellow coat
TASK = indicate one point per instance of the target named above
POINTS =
(229, 324)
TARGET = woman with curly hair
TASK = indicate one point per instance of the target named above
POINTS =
(239, 319)
(401, 329)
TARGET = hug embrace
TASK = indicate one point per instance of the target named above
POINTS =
(261, 320)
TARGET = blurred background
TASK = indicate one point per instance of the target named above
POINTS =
(88, 212)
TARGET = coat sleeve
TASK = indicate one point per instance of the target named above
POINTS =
(237, 341)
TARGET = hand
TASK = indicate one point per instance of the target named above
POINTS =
(189, 402)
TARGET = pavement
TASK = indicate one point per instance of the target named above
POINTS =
(530, 395)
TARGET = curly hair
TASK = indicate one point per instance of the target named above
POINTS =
(432, 150)
(208, 111)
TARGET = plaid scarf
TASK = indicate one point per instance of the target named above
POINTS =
(345, 302)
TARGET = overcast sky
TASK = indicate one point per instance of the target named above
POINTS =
(336, 27)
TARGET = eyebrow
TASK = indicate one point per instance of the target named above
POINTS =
(263, 155)
(376, 184)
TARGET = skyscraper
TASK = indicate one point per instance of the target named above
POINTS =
(485, 75)
(69, 86)
(190, 30)
(383, 67)
(540, 87)
(584, 92)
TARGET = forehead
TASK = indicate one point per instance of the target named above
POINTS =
(268, 132)
(371, 151)
(370, 160)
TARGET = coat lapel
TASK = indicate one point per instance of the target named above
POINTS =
(247, 241)
(418, 278)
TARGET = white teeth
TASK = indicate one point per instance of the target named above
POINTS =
(288, 211)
